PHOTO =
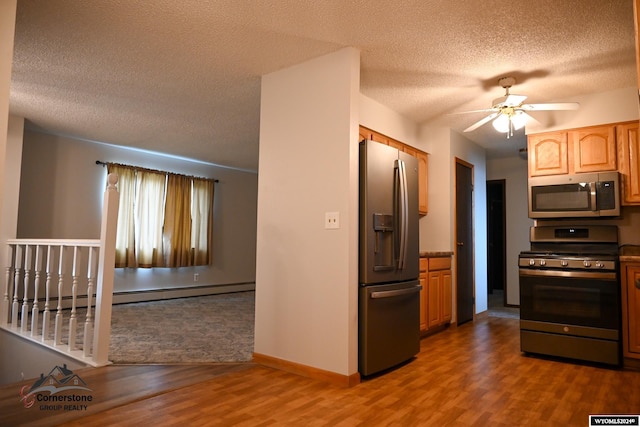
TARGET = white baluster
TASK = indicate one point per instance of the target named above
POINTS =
(4, 309)
(46, 315)
(16, 283)
(36, 287)
(24, 317)
(57, 334)
(73, 321)
(88, 321)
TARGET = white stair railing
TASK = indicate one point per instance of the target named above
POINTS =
(70, 283)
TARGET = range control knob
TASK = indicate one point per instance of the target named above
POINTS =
(532, 262)
(543, 262)
(586, 263)
(599, 264)
(564, 263)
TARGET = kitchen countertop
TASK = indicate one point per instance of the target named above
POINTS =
(630, 253)
(435, 254)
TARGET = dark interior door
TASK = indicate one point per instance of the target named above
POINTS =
(496, 251)
(464, 242)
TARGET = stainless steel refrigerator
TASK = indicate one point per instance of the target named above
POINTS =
(389, 287)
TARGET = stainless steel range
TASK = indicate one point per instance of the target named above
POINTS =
(570, 293)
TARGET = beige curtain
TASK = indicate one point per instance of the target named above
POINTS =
(164, 220)
(177, 222)
(149, 217)
(125, 238)
(201, 220)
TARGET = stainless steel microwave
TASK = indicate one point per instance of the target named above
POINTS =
(575, 196)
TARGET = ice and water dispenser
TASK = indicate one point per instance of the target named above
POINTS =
(383, 252)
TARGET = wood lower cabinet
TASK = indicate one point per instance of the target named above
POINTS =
(631, 309)
(424, 266)
(423, 163)
(436, 298)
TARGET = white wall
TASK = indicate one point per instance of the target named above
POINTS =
(514, 171)
(59, 175)
(619, 105)
(464, 149)
(437, 227)
(8, 202)
(306, 275)
(21, 359)
(384, 120)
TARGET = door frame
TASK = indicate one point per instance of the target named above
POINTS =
(455, 236)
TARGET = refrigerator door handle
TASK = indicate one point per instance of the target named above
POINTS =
(396, 293)
(403, 204)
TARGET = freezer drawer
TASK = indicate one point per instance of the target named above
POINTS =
(389, 325)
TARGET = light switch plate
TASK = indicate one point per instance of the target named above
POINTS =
(331, 220)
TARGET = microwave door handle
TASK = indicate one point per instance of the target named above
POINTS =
(592, 191)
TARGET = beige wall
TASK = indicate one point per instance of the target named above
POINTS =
(306, 275)
(61, 197)
(7, 28)
(514, 171)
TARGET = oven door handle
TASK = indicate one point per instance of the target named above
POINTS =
(572, 274)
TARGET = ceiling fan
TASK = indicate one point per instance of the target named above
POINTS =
(510, 112)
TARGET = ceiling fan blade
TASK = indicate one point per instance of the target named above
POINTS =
(485, 110)
(479, 123)
(551, 106)
(513, 100)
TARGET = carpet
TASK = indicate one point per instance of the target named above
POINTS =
(214, 328)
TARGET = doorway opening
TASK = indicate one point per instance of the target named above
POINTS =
(496, 244)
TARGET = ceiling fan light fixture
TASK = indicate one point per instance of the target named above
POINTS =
(519, 119)
(501, 123)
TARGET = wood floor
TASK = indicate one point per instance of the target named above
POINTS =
(473, 375)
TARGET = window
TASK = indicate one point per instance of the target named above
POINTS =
(164, 219)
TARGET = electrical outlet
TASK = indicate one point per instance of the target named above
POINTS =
(332, 220)
(196, 277)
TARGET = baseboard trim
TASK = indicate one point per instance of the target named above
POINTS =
(171, 293)
(124, 297)
(307, 371)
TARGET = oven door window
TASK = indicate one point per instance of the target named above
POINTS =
(584, 302)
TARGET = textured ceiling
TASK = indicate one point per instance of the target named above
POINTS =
(183, 77)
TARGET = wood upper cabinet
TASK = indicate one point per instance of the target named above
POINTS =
(423, 167)
(629, 162)
(423, 163)
(594, 149)
(590, 149)
(631, 309)
(548, 154)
